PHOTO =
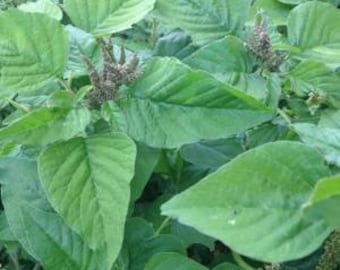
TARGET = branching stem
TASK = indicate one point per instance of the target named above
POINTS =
(18, 105)
(284, 116)
(242, 263)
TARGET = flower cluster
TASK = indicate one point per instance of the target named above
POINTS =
(115, 74)
(330, 259)
(260, 46)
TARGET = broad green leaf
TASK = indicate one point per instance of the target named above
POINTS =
(190, 236)
(87, 182)
(191, 174)
(326, 198)
(6, 235)
(326, 140)
(264, 134)
(46, 125)
(330, 119)
(326, 188)
(273, 85)
(205, 20)
(254, 203)
(229, 61)
(296, 2)
(141, 37)
(211, 154)
(221, 56)
(315, 77)
(314, 28)
(33, 51)
(176, 44)
(146, 161)
(170, 261)
(41, 231)
(81, 44)
(171, 104)
(46, 7)
(107, 16)
(62, 99)
(142, 243)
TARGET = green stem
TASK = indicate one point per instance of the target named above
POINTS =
(18, 105)
(14, 259)
(69, 81)
(153, 38)
(170, 171)
(36, 266)
(162, 226)
(66, 86)
(284, 116)
(242, 263)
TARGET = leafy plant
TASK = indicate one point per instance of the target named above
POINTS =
(170, 135)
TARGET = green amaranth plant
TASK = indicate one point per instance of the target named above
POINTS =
(210, 141)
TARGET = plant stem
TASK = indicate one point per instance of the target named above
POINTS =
(284, 116)
(66, 86)
(239, 260)
(18, 105)
(162, 226)
(36, 266)
(69, 81)
(153, 38)
(14, 259)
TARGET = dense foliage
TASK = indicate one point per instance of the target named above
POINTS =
(161, 135)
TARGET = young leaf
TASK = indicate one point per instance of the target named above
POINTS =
(170, 261)
(106, 16)
(41, 231)
(314, 28)
(205, 20)
(171, 104)
(254, 203)
(33, 51)
(46, 125)
(87, 182)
